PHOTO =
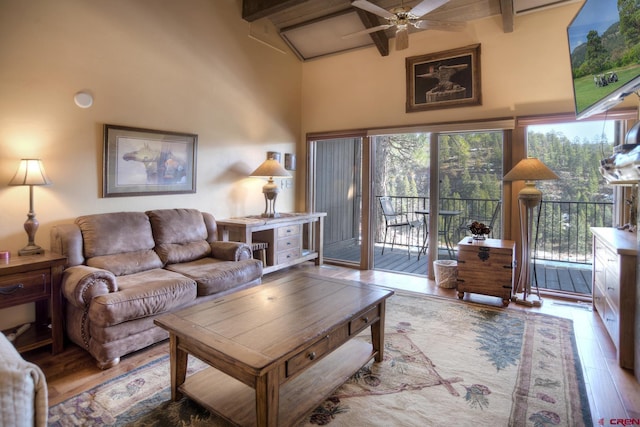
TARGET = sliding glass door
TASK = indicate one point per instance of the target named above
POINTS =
(338, 192)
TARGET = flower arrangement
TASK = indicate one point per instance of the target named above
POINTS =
(479, 230)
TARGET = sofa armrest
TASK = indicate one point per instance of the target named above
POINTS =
(231, 251)
(80, 284)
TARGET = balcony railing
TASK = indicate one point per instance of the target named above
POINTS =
(564, 227)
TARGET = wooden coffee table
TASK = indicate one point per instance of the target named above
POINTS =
(277, 350)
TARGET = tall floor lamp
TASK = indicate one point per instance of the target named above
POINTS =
(528, 170)
(30, 172)
(270, 168)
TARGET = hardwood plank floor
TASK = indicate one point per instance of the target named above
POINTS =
(613, 392)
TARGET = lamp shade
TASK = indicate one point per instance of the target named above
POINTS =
(30, 172)
(271, 168)
(530, 169)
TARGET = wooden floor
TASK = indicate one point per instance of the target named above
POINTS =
(561, 277)
(613, 392)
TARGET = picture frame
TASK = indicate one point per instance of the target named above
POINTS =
(145, 162)
(444, 79)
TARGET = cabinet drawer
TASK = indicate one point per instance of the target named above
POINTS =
(359, 323)
(599, 300)
(288, 255)
(291, 230)
(26, 287)
(485, 258)
(611, 320)
(287, 243)
(612, 289)
(315, 352)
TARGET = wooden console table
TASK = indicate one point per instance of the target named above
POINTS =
(284, 235)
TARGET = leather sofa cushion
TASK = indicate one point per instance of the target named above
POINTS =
(142, 294)
(213, 276)
(180, 235)
(127, 263)
(121, 242)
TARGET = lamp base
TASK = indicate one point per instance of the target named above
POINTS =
(271, 215)
(31, 250)
(530, 301)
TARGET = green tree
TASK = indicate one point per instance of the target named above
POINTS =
(596, 55)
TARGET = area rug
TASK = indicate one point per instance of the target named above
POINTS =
(446, 362)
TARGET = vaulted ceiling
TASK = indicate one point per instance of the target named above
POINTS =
(314, 28)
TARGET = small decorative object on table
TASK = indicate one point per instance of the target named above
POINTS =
(479, 230)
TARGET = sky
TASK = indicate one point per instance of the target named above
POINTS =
(586, 129)
(595, 15)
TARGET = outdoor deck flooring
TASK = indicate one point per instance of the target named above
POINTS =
(554, 276)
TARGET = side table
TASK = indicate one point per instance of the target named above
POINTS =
(35, 279)
(486, 267)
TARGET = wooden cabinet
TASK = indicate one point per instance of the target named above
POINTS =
(486, 267)
(615, 287)
(35, 279)
(291, 239)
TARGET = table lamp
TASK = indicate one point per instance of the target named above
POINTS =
(30, 172)
(528, 170)
(270, 168)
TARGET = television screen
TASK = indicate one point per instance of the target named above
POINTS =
(604, 43)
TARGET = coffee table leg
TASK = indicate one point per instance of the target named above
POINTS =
(178, 362)
(377, 334)
(267, 399)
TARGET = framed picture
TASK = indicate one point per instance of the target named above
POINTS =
(144, 162)
(444, 79)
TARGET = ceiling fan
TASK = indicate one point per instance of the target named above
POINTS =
(403, 17)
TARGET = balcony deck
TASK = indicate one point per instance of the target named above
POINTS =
(564, 277)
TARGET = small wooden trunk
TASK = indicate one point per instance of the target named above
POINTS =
(486, 267)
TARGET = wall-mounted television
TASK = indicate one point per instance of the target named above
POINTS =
(604, 44)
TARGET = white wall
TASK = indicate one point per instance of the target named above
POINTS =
(525, 72)
(186, 66)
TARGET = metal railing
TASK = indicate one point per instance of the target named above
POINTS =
(565, 233)
(564, 227)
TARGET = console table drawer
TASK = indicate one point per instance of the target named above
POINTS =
(290, 255)
(288, 243)
(290, 230)
(21, 288)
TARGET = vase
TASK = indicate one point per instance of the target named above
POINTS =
(479, 237)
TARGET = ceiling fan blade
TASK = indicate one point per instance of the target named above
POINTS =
(367, 31)
(426, 6)
(402, 38)
(375, 9)
(427, 24)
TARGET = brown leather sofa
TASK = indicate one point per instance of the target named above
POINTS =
(126, 268)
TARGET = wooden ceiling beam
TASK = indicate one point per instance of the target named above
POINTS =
(506, 8)
(253, 10)
(379, 38)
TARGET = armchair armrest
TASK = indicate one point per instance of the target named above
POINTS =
(80, 284)
(231, 251)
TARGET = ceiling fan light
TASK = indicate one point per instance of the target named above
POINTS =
(402, 38)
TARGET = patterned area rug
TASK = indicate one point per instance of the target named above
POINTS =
(446, 363)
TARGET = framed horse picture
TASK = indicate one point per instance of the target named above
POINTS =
(444, 79)
(144, 162)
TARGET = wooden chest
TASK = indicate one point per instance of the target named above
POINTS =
(486, 267)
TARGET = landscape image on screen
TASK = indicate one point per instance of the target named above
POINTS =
(604, 42)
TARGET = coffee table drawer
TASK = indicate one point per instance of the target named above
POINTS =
(359, 323)
(305, 358)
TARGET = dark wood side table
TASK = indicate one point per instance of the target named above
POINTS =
(35, 279)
